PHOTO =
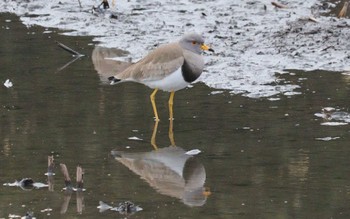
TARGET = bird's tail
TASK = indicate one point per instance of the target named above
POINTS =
(113, 80)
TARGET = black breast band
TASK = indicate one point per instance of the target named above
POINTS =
(188, 73)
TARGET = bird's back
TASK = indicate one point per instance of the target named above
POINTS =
(158, 64)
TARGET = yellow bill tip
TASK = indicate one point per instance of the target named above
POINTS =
(207, 192)
(205, 47)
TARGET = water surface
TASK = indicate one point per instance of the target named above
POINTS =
(261, 158)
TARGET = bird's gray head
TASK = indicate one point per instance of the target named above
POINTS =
(193, 42)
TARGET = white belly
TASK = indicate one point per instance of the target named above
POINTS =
(172, 82)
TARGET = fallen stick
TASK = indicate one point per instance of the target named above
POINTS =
(279, 5)
(79, 4)
(66, 65)
(71, 51)
(80, 174)
(50, 172)
(344, 10)
(67, 180)
(313, 19)
(50, 165)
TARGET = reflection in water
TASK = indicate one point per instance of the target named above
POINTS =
(346, 77)
(105, 65)
(69, 189)
(27, 184)
(79, 201)
(298, 167)
(333, 116)
(169, 170)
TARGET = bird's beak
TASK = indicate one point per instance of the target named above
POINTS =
(206, 192)
(205, 47)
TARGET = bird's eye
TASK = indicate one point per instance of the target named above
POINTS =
(194, 42)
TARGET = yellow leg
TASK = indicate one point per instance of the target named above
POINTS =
(154, 104)
(154, 134)
(113, 3)
(171, 103)
(171, 133)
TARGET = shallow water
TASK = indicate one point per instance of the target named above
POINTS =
(262, 158)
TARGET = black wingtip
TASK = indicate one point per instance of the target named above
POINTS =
(113, 80)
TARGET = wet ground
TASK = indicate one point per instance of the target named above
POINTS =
(253, 39)
(283, 156)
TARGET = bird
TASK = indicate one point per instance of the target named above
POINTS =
(170, 171)
(170, 67)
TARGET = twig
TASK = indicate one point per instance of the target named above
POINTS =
(343, 11)
(79, 4)
(67, 64)
(73, 52)
(313, 19)
(80, 174)
(50, 172)
(50, 165)
(279, 5)
(67, 180)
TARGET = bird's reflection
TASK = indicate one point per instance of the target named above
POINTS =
(105, 65)
(169, 170)
(346, 76)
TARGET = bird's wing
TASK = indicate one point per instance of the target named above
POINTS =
(156, 65)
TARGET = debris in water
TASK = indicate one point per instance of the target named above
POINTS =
(8, 83)
(75, 54)
(135, 138)
(27, 184)
(69, 189)
(274, 98)
(50, 166)
(334, 123)
(29, 215)
(126, 207)
(333, 116)
(216, 92)
(70, 50)
(67, 179)
(193, 152)
(103, 206)
(327, 138)
(46, 210)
